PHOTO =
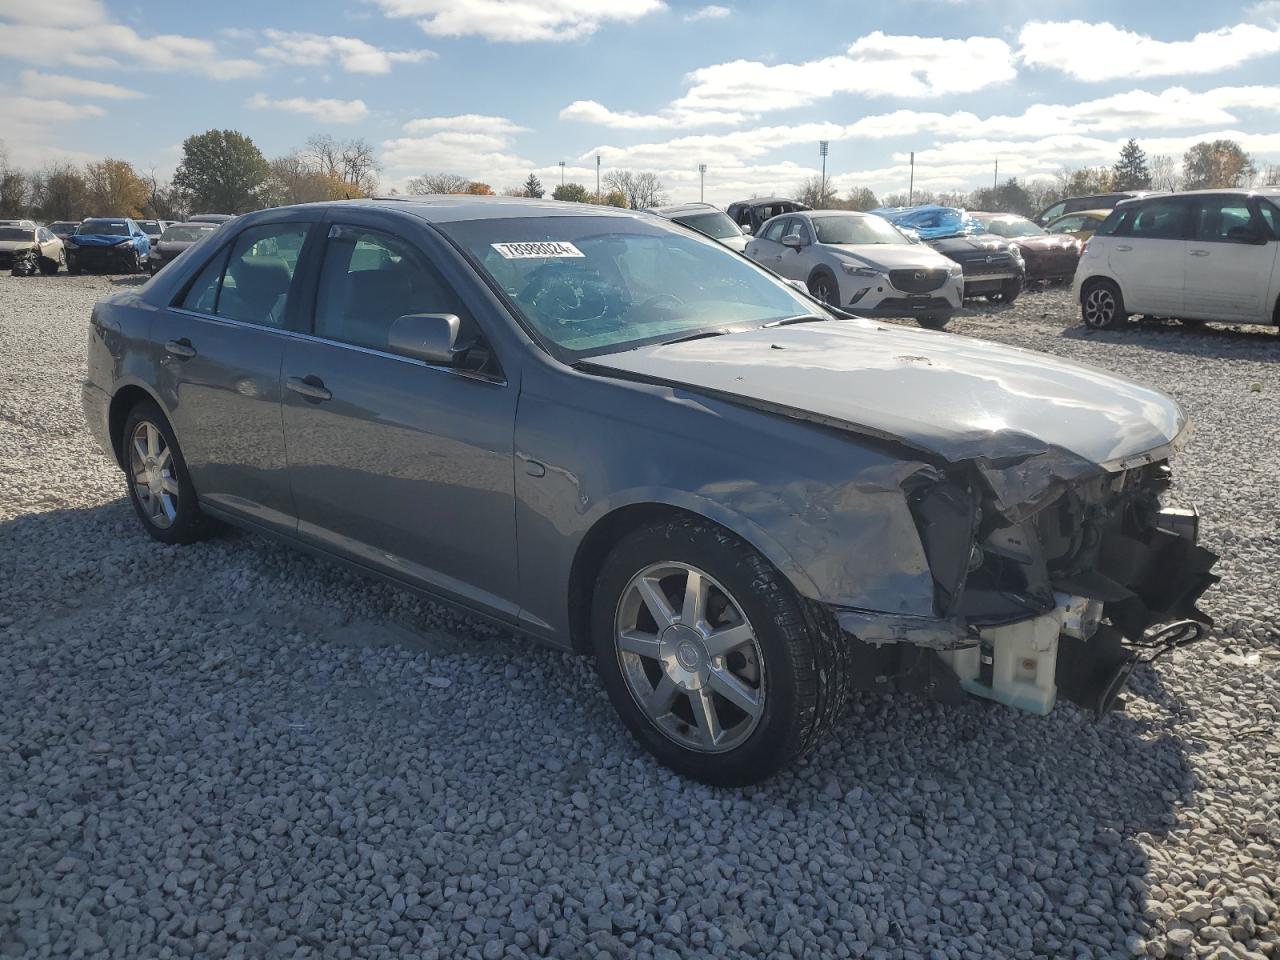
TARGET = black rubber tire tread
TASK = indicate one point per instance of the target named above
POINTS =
(933, 321)
(191, 524)
(816, 671)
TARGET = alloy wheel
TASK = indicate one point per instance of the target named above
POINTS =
(1099, 307)
(690, 658)
(822, 291)
(151, 470)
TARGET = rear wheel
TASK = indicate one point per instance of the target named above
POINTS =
(1101, 305)
(134, 263)
(711, 659)
(933, 321)
(160, 488)
(823, 286)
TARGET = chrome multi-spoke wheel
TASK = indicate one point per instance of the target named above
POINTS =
(152, 473)
(690, 657)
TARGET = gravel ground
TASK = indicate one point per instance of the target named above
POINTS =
(235, 750)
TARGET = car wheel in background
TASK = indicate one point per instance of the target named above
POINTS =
(711, 659)
(1101, 305)
(823, 286)
(1008, 293)
(50, 267)
(134, 264)
(1193, 323)
(933, 321)
(159, 486)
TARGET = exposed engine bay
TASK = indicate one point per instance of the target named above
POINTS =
(1091, 579)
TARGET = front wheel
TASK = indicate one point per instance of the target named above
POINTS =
(711, 659)
(49, 267)
(823, 286)
(933, 321)
(1101, 305)
(134, 264)
(1009, 291)
(160, 487)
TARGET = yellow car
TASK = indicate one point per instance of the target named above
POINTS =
(1080, 224)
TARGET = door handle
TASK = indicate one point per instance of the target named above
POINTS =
(1199, 253)
(311, 387)
(1123, 247)
(182, 349)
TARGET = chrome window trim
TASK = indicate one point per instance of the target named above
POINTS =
(311, 338)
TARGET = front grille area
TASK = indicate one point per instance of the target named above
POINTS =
(917, 281)
(976, 264)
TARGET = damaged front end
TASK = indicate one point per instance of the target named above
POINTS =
(1052, 578)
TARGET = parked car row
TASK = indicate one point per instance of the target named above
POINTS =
(105, 244)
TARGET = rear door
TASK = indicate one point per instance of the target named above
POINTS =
(1147, 254)
(219, 348)
(1230, 261)
(402, 465)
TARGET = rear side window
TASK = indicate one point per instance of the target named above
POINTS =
(1109, 226)
(369, 280)
(1168, 219)
(1057, 210)
(254, 286)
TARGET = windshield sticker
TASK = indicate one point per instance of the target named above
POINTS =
(536, 250)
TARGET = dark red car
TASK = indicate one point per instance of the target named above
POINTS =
(1048, 256)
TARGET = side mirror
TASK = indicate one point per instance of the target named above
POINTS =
(430, 337)
(747, 229)
(792, 241)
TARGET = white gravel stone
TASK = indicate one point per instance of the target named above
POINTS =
(235, 750)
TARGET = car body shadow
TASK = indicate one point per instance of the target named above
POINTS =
(1210, 340)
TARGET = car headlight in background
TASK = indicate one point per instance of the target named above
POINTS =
(955, 271)
(856, 271)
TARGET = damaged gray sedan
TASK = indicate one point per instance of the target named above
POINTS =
(622, 439)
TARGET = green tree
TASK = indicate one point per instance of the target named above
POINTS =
(573, 192)
(861, 198)
(1222, 163)
(115, 189)
(533, 187)
(1131, 171)
(222, 171)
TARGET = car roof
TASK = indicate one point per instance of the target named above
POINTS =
(454, 208)
(1096, 214)
(201, 224)
(987, 215)
(764, 201)
(680, 209)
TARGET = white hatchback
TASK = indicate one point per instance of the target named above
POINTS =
(1195, 256)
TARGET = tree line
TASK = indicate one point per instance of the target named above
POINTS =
(621, 188)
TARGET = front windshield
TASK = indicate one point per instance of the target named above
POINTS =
(17, 233)
(851, 229)
(715, 225)
(104, 228)
(1010, 227)
(185, 234)
(600, 284)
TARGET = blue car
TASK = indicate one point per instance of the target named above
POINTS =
(108, 245)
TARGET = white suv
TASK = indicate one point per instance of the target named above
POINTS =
(1200, 255)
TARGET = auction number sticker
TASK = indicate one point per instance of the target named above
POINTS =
(536, 250)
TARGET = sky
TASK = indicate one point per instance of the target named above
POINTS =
(495, 89)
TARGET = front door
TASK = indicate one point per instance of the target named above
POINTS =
(399, 464)
(219, 354)
(1230, 262)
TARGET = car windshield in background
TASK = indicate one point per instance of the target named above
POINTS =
(104, 228)
(64, 225)
(592, 285)
(856, 230)
(1010, 227)
(186, 234)
(150, 227)
(17, 233)
(716, 225)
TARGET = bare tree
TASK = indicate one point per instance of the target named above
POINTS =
(1271, 175)
(1166, 172)
(351, 161)
(816, 193)
(641, 189)
(437, 183)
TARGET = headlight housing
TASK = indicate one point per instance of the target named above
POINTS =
(855, 270)
(955, 271)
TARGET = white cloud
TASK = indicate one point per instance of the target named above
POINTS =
(354, 55)
(97, 42)
(65, 13)
(518, 20)
(60, 85)
(471, 122)
(712, 11)
(1103, 51)
(875, 65)
(333, 111)
(591, 111)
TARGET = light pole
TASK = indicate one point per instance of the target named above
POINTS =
(822, 151)
(562, 173)
(598, 198)
(911, 188)
(702, 181)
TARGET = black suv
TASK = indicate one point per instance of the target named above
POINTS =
(751, 214)
(1098, 201)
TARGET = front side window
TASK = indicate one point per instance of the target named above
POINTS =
(595, 284)
(774, 230)
(254, 286)
(1158, 220)
(368, 280)
(1057, 210)
(1225, 220)
(1069, 225)
(794, 229)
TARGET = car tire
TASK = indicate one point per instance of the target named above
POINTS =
(824, 287)
(73, 269)
(49, 267)
(152, 460)
(134, 264)
(1009, 291)
(933, 321)
(1101, 305)
(727, 716)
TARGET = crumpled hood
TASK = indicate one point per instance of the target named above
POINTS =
(1027, 416)
(98, 240)
(891, 256)
(974, 243)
